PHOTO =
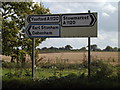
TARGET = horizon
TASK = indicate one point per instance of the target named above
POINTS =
(107, 23)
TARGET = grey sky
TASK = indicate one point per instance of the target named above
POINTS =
(107, 22)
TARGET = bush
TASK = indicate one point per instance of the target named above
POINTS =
(15, 65)
(17, 73)
(8, 65)
(101, 69)
(9, 75)
(70, 81)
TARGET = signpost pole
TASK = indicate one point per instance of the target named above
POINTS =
(89, 58)
(33, 57)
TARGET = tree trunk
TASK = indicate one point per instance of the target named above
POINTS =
(12, 59)
(23, 60)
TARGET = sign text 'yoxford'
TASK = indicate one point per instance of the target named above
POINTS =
(43, 18)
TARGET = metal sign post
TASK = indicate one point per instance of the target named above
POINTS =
(33, 57)
(89, 58)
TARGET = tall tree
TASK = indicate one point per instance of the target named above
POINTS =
(68, 47)
(119, 49)
(94, 47)
(13, 27)
(108, 48)
(115, 49)
(83, 49)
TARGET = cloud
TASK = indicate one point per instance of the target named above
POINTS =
(61, 42)
(59, 8)
(105, 14)
(106, 38)
(75, 7)
(107, 23)
(79, 0)
(109, 8)
(105, 11)
(115, 41)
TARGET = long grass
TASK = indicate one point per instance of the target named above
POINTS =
(62, 74)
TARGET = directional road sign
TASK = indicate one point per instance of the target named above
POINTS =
(43, 30)
(43, 18)
(79, 25)
(62, 25)
(79, 20)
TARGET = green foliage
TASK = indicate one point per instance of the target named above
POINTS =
(13, 27)
(11, 65)
(68, 47)
(69, 81)
(101, 77)
(27, 73)
(83, 49)
(108, 48)
(101, 69)
(17, 73)
(8, 75)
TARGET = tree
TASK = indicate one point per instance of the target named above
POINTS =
(94, 47)
(108, 48)
(13, 27)
(115, 49)
(68, 47)
(61, 48)
(53, 48)
(44, 48)
(119, 49)
(83, 49)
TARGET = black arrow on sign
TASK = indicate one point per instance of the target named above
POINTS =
(28, 19)
(93, 19)
(29, 29)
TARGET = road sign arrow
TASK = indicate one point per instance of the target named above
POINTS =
(43, 30)
(78, 20)
(93, 19)
(29, 30)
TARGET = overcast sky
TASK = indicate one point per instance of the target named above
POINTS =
(107, 21)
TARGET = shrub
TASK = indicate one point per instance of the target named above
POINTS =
(15, 65)
(118, 74)
(85, 64)
(101, 69)
(9, 75)
(8, 65)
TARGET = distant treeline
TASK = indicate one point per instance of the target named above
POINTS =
(94, 47)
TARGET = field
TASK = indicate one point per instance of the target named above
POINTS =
(69, 68)
(78, 57)
(73, 57)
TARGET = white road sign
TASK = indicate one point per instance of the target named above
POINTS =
(79, 25)
(79, 20)
(43, 30)
(62, 25)
(43, 19)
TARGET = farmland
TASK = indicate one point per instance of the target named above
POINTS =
(78, 57)
(70, 68)
(73, 57)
